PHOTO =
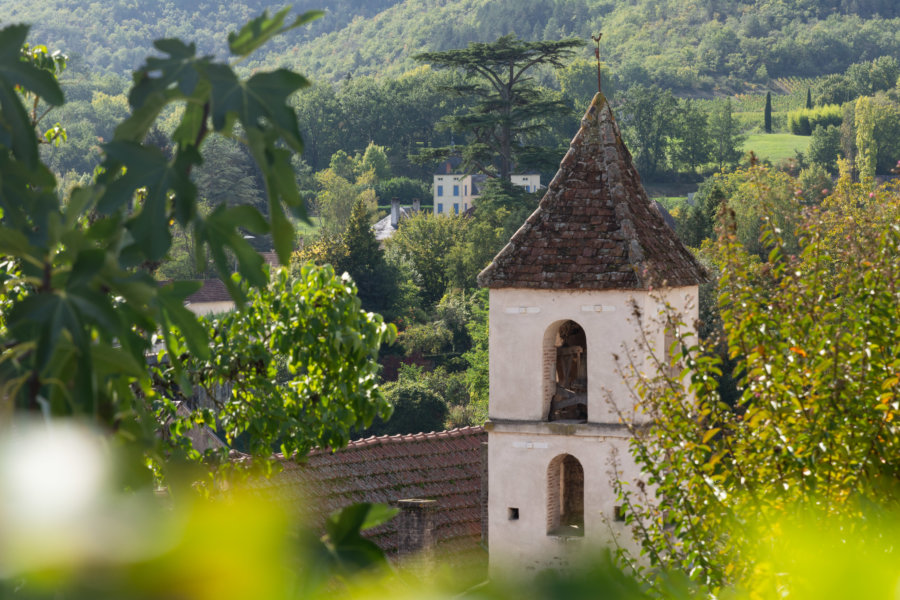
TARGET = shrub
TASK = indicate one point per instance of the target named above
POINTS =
(805, 120)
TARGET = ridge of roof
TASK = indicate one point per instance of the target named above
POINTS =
(595, 227)
(406, 438)
(211, 290)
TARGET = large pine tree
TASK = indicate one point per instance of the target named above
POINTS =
(508, 107)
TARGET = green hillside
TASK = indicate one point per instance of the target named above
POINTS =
(692, 46)
(698, 45)
(116, 35)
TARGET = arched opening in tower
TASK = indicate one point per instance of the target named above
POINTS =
(569, 399)
(565, 506)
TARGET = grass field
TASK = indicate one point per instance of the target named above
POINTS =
(776, 146)
(307, 230)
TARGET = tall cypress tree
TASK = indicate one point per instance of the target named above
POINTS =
(767, 116)
(809, 98)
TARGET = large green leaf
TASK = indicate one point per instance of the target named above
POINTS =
(16, 132)
(267, 96)
(171, 299)
(87, 264)
(15, 71)
(46, 316)
(191, 122)
(280, 185)
(378, 515)
(135, 127)
(97, 308)
(258, 103)
(226, 95)
(158, 75)
(262, 28)
(146, 167)
(114, 362)
(14, 242)
(350, 550)
(219, 230)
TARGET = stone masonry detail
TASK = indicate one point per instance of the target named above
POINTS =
(595, 228)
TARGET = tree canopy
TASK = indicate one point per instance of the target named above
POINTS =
(81, 311)
(508, 108)
(813, 433)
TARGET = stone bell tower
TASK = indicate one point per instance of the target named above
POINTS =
(562, 298)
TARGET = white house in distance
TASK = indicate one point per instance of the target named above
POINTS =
(563, 297)
(454, 192)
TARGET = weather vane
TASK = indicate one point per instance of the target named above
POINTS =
(597, 54)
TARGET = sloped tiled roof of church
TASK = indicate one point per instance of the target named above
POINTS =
(445, 466)
(595, 228)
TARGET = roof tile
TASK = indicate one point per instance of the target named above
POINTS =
(596, 209)
(443, 466)
(212, 290)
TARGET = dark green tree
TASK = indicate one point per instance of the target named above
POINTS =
(425, 240)
(499, 212)
(767, 114)
(416, 407)
(318, 113)
(692, 146)
(404, 189)
(809, 102)
(649, 117)
(508, 106)
(836, 88)
(376, 281)
(825, 146)
(727, 137)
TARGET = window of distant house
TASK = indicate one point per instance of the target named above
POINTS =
(455, 208)
(465, 190)
(456, 190)
(440, 208)
(440, 190)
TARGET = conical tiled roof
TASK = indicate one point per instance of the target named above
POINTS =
(595, 228)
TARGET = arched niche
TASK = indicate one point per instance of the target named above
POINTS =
(565, 372)
(565, 497)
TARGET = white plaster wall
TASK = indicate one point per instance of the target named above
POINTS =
(532, 180)
(206, 308)
(518, 479)
(447, 199)
(520, 318)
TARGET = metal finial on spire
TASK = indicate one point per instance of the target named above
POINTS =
(597, 54)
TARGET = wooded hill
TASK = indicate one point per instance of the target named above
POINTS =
(686, 45)
(681, 44)
(116, 35)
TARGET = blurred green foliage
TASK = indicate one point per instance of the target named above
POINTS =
(325, 387)
(811, 323)
(81, 312)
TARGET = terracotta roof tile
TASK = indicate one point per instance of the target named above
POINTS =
(270, 258)
(595, 228)
(213, 290)
(443, 466)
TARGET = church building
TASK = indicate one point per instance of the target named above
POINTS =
(564, 298)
